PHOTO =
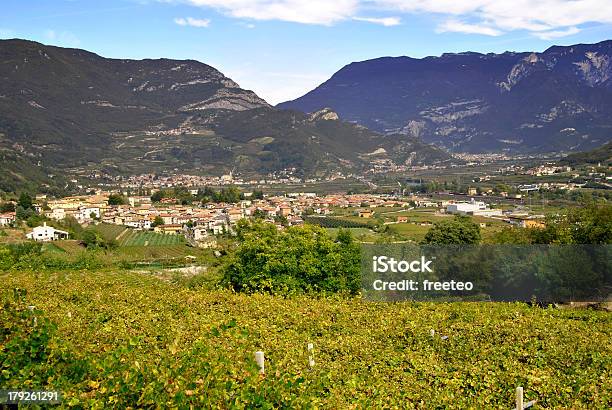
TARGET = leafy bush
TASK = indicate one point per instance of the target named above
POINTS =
(459, 230)
(589, 225)
(297, 259)
(29, 256)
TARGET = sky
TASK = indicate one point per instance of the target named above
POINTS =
(282, 49)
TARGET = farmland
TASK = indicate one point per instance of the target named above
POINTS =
(127, 339)
(108, 231)
(130, 237)
(141, 238)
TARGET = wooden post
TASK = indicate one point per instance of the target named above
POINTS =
(31, 309)
(519, 398)
(311, 361)
(259, 358)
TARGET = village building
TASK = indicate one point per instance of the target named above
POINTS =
(7, 219)
(169, 229)
(46, 233)
(365, 213)
(473, 207)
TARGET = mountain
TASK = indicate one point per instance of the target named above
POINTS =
(557, 100)
(601, 155)
(70, 109)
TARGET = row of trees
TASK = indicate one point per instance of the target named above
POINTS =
(591, 224)
(185, 197)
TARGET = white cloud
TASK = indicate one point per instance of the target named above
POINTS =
(460, 27)
(384, 21)
(323, 12)
(190, 21)
(550, 35)
(530, 15)
(485, 17)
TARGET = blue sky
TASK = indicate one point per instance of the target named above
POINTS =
(284, 48)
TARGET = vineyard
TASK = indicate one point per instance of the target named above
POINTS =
(109, 231)
(142, 238)
(129, 340)
(328, 222)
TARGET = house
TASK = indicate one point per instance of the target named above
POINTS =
(402, 219)
(284, 211)
(472, 208)
(87, 212)
(527, 222)
(46, 233)
(170, 229)
(200, 236)
(365, 213)
(56, 213)
(472, 191)
(7, 219)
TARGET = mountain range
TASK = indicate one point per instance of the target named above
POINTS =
(70, 109)
(516, 102)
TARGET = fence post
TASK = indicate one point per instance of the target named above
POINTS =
(31, 309)
(311, 361)
(519, 398)
(259, 358)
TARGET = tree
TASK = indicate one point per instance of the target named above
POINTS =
(296, 259)
(157, 221)
(25, 201)
(257, 195)
(157, 196)
(230, 195)
(116, 199)
(7, 207)
(344, 236)
(259, 214)
(90, 238)
(23, 213)
(459, 230)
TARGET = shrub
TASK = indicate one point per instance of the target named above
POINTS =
(297, 259)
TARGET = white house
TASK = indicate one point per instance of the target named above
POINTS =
(56, 213)
(7, 219)
(86, 212)
(472, 208)
(46, 233)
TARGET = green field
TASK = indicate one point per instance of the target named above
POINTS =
(108, 231)
(130, 340)
(70, 247)
(144, 238)
(410, 231)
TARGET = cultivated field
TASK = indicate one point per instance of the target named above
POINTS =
(130, 340)
(142, 238)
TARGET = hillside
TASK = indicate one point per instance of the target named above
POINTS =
(71, 109)
(601, 155)
(557, 100)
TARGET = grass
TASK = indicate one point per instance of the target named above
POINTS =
(70, 247)
(109, 231)
(141, 238)
(50, 247)
(11, 235)
(141, 333)
(410, 231)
